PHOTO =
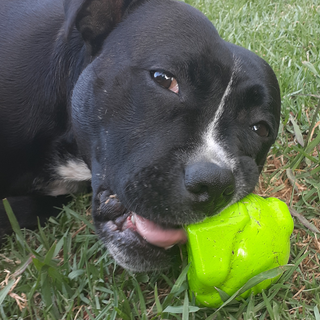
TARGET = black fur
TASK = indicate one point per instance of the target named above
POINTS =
(76, 87)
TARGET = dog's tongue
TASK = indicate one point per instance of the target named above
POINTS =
(158, 236)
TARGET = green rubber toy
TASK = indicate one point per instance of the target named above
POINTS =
(228, 249)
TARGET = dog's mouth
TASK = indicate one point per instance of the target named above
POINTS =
(118, 219)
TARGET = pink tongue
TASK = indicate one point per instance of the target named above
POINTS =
(158, 236)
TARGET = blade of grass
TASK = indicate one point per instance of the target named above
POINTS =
(141, 298)
(179, 309)
(268, 305)
(157, 301)
(4, 292)
(316, 313)
(15, 224)
(269, 274)
(250, 314)
(43, 236)
(297, 131)
(185, 309)
(177, 287)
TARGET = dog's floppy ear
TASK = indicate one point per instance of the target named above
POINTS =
(94, 19)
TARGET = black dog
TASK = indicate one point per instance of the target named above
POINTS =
(143, 98)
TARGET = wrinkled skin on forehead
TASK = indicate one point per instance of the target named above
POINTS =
(138, 138)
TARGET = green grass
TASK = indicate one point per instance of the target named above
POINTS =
(61, 271)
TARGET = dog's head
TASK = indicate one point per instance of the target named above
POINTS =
(171, 119)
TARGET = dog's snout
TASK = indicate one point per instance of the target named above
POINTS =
(211, 186)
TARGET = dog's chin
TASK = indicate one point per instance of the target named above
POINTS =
(136, 243)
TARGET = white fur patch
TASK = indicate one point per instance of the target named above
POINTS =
(60, 187)
(212, 149)
(70, 177)
(210, 136)
(74, 170)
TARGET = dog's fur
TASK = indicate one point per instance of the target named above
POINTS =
(81, 100)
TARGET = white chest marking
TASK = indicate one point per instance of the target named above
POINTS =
(74, 170)
(70, 177)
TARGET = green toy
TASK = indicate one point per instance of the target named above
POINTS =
(228, 249)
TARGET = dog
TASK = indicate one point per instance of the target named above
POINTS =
(140, 100)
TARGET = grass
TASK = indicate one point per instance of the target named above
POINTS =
(61, 271)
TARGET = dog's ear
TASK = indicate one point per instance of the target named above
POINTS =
(94, 19)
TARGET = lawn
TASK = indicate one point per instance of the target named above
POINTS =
(62, 271)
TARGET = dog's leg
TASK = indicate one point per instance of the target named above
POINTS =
(27, 209)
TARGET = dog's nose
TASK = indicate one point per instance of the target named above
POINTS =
(211, 186)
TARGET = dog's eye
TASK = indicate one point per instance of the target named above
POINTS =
(261, 129)
(165, 80)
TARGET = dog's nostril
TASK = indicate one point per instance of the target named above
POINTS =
(229, 191)
(197, 188)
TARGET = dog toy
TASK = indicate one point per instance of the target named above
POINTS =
(228, 249)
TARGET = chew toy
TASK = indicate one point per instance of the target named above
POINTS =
(228, 249)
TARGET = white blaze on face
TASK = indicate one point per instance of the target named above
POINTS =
(212, 148)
